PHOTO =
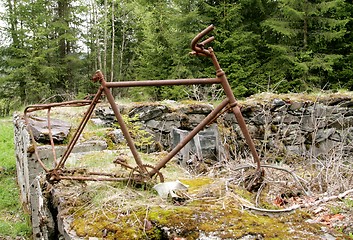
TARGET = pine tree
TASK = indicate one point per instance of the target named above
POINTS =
(40, 60)
(299, 34)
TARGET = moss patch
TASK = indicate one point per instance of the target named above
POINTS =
(125, 213)
(188, 222)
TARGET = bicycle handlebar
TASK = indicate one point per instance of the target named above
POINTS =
(198, 47)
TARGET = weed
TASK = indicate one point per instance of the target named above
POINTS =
(348, 202)
(142, 138)
(336, 210)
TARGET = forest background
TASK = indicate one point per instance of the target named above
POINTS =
(50, 49)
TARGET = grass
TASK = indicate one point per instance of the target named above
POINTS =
(13, 221)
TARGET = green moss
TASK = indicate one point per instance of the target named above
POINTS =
(196, 183)
(243, 193)
(211, 210)
(226, 221)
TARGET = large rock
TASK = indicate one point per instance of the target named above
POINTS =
(148, 112)
(205, 145)
(39, 126)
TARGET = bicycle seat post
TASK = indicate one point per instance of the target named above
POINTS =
(98, 76)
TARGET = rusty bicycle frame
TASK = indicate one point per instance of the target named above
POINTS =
(143, 174)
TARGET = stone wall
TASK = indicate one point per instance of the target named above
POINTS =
(30, 177)
(306, 126)
(170, 122)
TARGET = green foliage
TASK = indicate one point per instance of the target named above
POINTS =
(166, 32)
(142, 138)
(302, 33)
(34, 62)
(348, 202)
(285, 45)
(12, 220)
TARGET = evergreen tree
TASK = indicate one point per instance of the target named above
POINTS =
(238, 42)
(300, 34)
(39, 61)
(163, 51)
(342, 75)
(283, 45)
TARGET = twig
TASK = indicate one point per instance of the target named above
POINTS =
(145, 221)
(273, 211)
(259, 193)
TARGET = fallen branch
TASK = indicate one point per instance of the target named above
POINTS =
(298, 206)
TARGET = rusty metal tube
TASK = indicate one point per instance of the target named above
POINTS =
(34, 144)
(171, 82)
(92, 178)
(210, 117)
(51, 137)
(32, 108)
(194, 42)
(235, 108)
(207, 41)
(80, 129)
(123, 126)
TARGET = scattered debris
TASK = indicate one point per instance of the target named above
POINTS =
(169, 189)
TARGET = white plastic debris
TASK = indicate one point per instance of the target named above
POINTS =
(167, 188)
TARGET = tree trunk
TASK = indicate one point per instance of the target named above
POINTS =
(12, 7)
(305, 37)
(97, 39)
(63, 13)
(305, 27)
(105, 38)
(113, 45)
(122, 48)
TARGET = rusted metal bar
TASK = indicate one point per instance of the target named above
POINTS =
(51, 137)
(121, 122)
(80, 129)
(235, 108)
(207, 41)
(123, 164)
(80, 178)
(34, 144)
(76, 103)
(199, 47)
(102, 174)
(187, 139)
(171, 82)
